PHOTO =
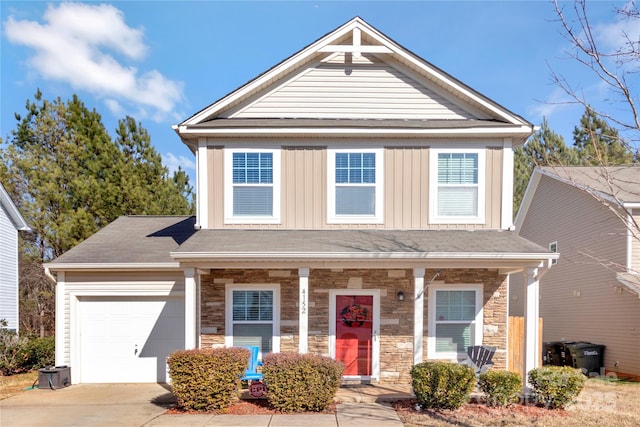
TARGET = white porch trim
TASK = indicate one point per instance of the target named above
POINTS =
(190, 308)
(532, 329)
(303, 311)
(60, 319)
(418, 315)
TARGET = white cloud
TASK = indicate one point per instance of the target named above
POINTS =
(172, 162)
(80, 44)
(618, 34)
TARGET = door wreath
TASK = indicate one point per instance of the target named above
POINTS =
(354, 315)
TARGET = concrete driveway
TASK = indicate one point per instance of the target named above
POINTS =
(87, 405)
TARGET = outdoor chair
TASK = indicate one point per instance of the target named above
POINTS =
(480, 358)
(251, 373)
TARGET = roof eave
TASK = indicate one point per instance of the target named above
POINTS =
(121, 266)
(511, 131)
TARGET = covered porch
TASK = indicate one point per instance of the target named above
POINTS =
(397, 276)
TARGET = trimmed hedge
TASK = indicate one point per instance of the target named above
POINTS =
(556, 386)
(500, 387)
(442, 385)
(204, 380)
(300, 382)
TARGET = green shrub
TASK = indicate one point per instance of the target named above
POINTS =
(442, 385)
(10, 350)
(556, 386)
(38, 353)
(501, 387)
(203, 380)
(24, 353)
(301, 382)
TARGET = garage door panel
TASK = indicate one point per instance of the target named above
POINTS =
(129, 339)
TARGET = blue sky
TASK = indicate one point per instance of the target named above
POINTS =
(162, 61)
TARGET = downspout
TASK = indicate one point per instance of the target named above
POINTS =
(47, 272)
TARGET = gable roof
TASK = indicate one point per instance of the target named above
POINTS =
(616, 184)
(406, 86)
(12, 211)
(130, 242)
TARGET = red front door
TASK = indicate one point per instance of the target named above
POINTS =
(354, 333)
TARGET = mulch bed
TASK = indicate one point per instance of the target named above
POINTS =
(409, 406)
(252, 407)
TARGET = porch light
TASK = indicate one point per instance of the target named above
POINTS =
(400, 296)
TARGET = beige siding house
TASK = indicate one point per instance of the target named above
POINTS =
(353, 201)
(589, 215)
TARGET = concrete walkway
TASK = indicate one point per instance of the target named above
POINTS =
(97, 405)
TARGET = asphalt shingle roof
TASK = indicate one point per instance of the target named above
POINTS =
(622, 182)
(133, 239)
(152, 239)
(358, 241)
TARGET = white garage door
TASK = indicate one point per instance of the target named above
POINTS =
(128, 339)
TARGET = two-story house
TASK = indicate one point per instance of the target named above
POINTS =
(11, 222)
(352, 201)
(591, 216)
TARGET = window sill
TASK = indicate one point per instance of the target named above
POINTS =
(252, 220)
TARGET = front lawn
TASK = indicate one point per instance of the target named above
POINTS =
(14, 384)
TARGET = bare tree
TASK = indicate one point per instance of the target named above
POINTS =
(616, 68)
(614, 184)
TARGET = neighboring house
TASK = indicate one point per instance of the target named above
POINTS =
(353, 201)
(591, 216)
(10, 223)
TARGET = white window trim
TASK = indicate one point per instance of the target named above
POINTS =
(377, 217)
(433, 188)
(228, 304)
(229, 218)
(479, 320)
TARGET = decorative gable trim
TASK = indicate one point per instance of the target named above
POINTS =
(357, 38)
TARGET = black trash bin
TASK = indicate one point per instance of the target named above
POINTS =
(556, 353)
(587, 357)
(54, 377)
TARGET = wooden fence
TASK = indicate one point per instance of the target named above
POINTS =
(515, 343)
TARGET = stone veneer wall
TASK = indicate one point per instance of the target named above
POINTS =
(396, 317)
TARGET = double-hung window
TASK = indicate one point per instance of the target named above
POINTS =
(455, 319)
(252, 317)
(457, 186)
(252, 190)
(354, 186)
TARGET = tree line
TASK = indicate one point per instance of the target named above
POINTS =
(595, 143)
(69, 178)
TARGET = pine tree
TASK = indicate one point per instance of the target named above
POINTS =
(598, 144)
(544, 148)
(68, 178)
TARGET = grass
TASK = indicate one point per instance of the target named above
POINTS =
(15, 384)
(610, 403)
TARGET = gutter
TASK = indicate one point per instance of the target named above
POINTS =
(123, 266)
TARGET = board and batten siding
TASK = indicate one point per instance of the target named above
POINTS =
(348, 88)
(304, 189)
(580, 299)
(8, 270)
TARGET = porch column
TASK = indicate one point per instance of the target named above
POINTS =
(190, 309)
(418, 314)
(59, 320)
(532, 330)
(303, 311)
